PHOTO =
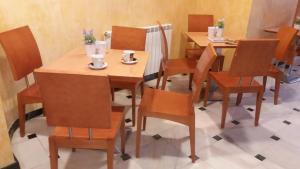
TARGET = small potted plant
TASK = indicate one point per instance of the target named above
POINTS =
(297, 23)
(89, 41)
(220, 26)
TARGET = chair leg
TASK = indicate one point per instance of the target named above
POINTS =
(192, 140)
(142, 88)
(133, 93)
(191, 81)
(21, 109)
(138, 134)
(53, 153)
(258, 107)
(277, 87)
(207, 90)
(221, 62)
(164, 82)
(224, 108)
(110, 154)
(159, 76)
(265, 82)
(239, 98)
(144, 123)
(122, 135)
(112, 94)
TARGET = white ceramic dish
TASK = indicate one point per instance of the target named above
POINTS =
(130, 62)
(91, 66)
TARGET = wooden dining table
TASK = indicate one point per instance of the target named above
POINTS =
(201, 39)
(76, 62)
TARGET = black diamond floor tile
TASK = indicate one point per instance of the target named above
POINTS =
(250, 109)
(218, 138)
(260, 157)
(129, 96)
(272, 90)
(296, 109)
(235, 122)
(125, 157)
(184, 74)
(287, 122)
(169, 80)
(275, 138)
(128, 120)
(202, 108)
(157, 137)
(31, 136)
(196, 157)
(263, 99)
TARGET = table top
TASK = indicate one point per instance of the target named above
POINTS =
(201, 39)
(76, 62)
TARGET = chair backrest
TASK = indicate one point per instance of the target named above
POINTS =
(205, 62)
(286, 35)
(72, 100)
(200, 23)
(21, 50)
(164, 43)
(127, 38)
(253, 57)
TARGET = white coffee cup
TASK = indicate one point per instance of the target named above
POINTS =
(128, 55)
(100, 47)
(98, 60)
(212, 30)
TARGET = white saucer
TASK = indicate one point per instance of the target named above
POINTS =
(91, 66)
(130, 62)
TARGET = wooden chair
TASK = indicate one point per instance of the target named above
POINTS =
(286, 35)
(81, 112)
(252, 58)
(169, 67)
(23, 56)
(200, 23)
(126, 38)
(174, 106)
(197, 23)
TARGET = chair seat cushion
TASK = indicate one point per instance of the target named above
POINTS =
(194, 53)
(31, 94)
(224, 80)
(181, 65)
(82, 133)
(274, 71)
(166, 103)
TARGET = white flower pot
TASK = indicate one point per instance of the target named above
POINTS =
(90, 49)
(296, 26)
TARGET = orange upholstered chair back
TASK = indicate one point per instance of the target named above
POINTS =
(164, 43)
(21, 50)
(72, 100)
(253, 57)
(205, 62)
(286, 35)
(200, 23)
(127, 38)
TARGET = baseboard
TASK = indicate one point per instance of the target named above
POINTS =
(14, 165)
(14, 127)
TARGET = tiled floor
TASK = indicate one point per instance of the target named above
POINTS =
(274, 144)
